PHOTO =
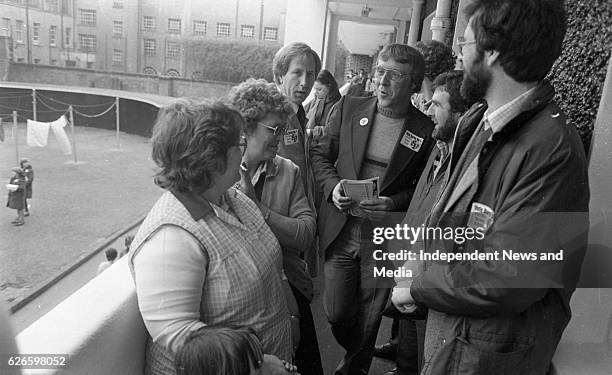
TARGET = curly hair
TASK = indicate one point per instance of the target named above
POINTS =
(219, 350)
(190, 142)
(255, 99)
(439, 58)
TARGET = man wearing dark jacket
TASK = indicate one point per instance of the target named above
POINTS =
(518, 174)
(385, 137)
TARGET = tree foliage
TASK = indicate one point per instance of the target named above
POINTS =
(579, 74)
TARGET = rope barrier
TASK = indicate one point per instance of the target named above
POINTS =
(93, 116)
(48, 106)
(75, 105)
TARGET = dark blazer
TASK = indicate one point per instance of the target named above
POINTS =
(340, 152)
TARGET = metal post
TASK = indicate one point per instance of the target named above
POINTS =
(117, 122)
(74, 152)
(323, 52)
(34, 104)
(15, 136)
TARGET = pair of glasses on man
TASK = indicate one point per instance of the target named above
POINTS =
(461, 41)
(392, 75)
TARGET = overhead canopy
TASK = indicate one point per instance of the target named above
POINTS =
(366, 24)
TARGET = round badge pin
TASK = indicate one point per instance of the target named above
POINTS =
(363, 121)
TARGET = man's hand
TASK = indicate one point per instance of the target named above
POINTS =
(376, 209)
(273, 366)
(403, 301)
(340, 201)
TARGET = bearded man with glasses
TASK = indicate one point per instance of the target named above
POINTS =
(382, 136)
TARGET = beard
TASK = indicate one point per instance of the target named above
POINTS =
(446, 131)
(476, 81)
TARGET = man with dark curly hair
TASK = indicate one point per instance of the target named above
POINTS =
(439, 58)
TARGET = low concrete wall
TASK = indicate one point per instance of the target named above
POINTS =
(158, 85)
(99, 327)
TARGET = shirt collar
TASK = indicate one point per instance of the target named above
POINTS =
(499, 118)
(270, 167)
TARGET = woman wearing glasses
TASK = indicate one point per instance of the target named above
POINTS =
(204, 255)
(274, 184)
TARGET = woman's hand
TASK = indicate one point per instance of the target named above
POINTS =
(271, 365)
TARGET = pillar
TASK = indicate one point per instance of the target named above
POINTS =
(440, 24)
(331, 43)
(415, 22)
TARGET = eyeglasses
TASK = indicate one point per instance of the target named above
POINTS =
(462, 42)
(393, 75)
(276, 129)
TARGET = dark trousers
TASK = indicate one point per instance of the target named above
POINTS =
(410, 347)
(307, 356)
(353, 299)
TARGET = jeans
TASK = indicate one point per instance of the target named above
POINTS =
(353, 298)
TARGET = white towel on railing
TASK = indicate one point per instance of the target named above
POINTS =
(38, 132)
(58, 129)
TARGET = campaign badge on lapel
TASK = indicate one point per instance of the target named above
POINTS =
(412, 141)
(481, 216)
(291, 137)
(363, 121)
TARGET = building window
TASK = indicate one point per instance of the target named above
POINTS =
(87, 17)
(173, 49)
(117, 29)
(150, 47)
(90, 65)
(19, 26)
(223, 29)
(68, 37)
(87, 42)
(117, 57)
(199, 28)
(36, 61)
(33, 3)
(20, 59)
(53, 62)
(118, 4)
(35, 33)
(247, 31)
(51, 6)
(270, 33)
(5, 28)
(52, 35)
(148, 23)
(174, 25)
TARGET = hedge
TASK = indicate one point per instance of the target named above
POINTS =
(579, 74)
(230, 62)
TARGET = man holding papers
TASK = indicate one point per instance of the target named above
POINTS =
(385, 137)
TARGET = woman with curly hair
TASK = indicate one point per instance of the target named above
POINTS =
(274, 184)
(439, 58)
(204, 255)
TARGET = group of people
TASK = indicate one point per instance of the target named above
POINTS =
(20, 190)
(224, 261)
